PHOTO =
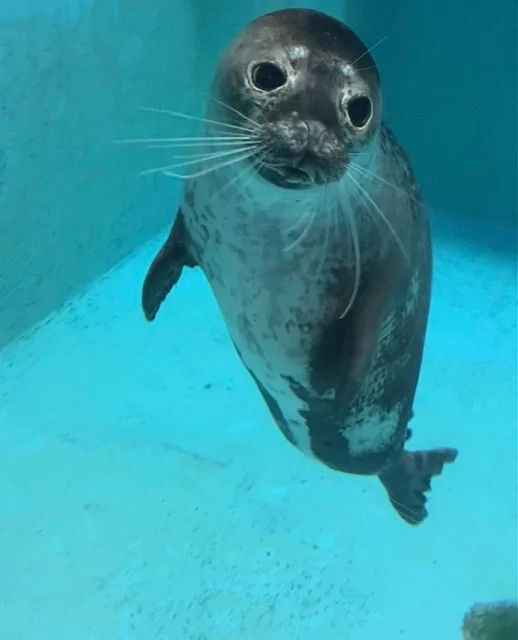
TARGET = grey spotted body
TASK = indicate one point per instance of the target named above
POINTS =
(318, 252)
(277, 301)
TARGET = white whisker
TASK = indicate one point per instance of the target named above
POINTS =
(374, 46)
(227, 106)
(207, 155)
(353, 230)
(205, 145)
(199, 140)
(310, 218)
(381, 215)
(369, 174)
(300, 221)
(324, 211)
(201, 158)
(178, 114)
(212, 169)
(241, 183)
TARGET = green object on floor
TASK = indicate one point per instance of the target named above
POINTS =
(491, 621)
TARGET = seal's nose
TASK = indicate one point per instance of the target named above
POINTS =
(303, 137)
(316, 135)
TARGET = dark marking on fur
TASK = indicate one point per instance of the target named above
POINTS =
(271, 403)
(353, 379)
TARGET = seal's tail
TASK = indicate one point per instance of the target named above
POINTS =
(407, 480)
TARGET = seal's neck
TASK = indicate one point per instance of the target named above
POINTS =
(238, 186)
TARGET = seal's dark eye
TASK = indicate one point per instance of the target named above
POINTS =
(267, 76)
(359, 111)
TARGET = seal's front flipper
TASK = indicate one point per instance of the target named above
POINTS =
(166, 268)
(407, 480)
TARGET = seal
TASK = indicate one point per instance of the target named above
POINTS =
(305, 217)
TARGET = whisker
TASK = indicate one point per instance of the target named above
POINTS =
(373, 176)
(204, 172)
(201, 139)
(202, 158)
(336, 214)
(195, 156)
(227, 106)
(204, 145)
(227, 185)
(374, 46)
(272, 165)
(325, 210)
(300, 220)
(178, 114)
(310, 217)
(353, 230)
(382, 216)
(238, 178)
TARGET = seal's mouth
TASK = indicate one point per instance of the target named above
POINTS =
(293, 174)
(290, 177)
(301, 154)
(296, 178)
(287, 177)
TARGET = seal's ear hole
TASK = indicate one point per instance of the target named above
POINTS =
(267, 76)
(359, 111)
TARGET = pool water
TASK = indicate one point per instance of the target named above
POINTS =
(146, 492)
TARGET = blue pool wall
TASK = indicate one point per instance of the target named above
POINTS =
(73, 75)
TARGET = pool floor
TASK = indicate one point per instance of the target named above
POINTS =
(145, 492)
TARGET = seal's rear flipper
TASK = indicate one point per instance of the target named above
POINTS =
(407, 480)
(166, 268)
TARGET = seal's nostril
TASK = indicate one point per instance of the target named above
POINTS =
(304, 136)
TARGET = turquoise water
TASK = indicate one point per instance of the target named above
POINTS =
(146, 493)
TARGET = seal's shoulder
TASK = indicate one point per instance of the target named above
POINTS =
(391, 146)
(401, 167)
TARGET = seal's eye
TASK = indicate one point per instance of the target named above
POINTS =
(267, 76)
(359, 111)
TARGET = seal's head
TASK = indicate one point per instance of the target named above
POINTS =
(311, 87)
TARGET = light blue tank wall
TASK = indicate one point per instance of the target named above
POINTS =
(73, 74)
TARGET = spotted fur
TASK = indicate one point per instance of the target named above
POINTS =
(341, 389)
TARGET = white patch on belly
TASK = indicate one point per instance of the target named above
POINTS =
(290, 405)
(371, 429)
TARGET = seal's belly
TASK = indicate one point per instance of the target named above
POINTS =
(276, 303)
(272, 303)
(269, 324)
(270, 295)
(270, 312)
